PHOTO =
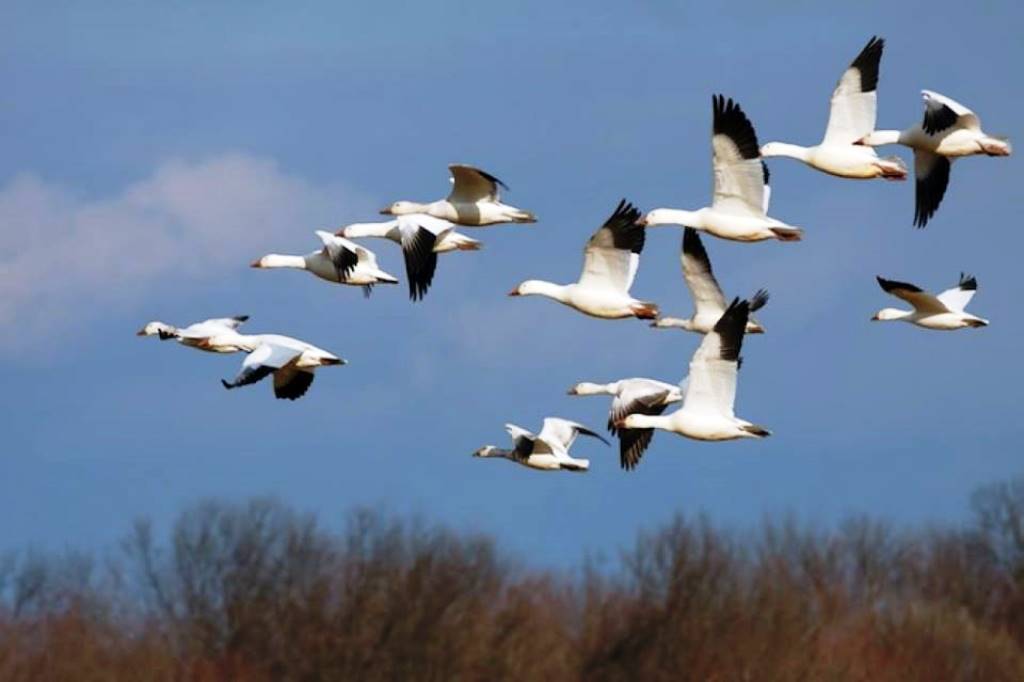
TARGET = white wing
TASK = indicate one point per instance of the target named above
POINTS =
(711, 384)
(942, 113)
(435, 226)
(740, 175)
(700, 280)
(957, 298)
(471, 185)
(922, 301)
(854, 101)
(559, 434)
(612, 256)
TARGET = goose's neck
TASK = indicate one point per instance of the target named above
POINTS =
(587, 388)
(536, 287)
(793, 151)
(674, 216)
(357, 230)
(647, 421)
(278, 260)
(880, 137)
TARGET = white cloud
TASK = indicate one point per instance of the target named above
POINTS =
(64, 258)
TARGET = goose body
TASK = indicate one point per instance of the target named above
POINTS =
(708, 300)
(632, 396)
(421, 237)
(548, 450)
(290, 361)
(852, 116)
(739, 205)
(475, 200)
(217, 335)
(340, 261)
(948, 131)
(943, 312)
(709, 392)
(610, 262)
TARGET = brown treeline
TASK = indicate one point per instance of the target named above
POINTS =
(259, 592)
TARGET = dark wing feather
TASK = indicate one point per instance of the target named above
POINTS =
(344, 260)
(938, 118)
(249, 375)
(420, 262)
(931, 182)
(295, 385)
(867, 64)
(891, 286)
(731, 327)
(729, 120)
(758, 300)
(621, 230)
(968, 282)
(587, 432)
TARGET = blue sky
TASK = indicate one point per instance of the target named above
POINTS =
(148, 154)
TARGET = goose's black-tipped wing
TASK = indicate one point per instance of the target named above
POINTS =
(932, 177)
(914, 295)
(866, 64)
(711, 383)
(249, 375)
(728, 120)
(854, 101)
(633, 442)
(740, 175)
(263, 361)
(758, 300)
(292, 384)
(699, 276)
(957, 298)
(942, 113)
(612, 255)
(342, 258)
(420, 261)
(470, 185)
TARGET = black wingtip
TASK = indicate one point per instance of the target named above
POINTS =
(226, 385)
(627, 233)
(891, 285)
(758, 300)
(867, 62)
(240, 318)
(968, 282)
(728, 119)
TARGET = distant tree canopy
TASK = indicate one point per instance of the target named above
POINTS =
(258, 591)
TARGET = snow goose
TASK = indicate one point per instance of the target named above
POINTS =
(421, 237)
(944, 312)
(709, 391)
(851, 118)
(610, 262)
(290, 361)
(548, 450)
(708, 299)
(339, 261)
(217, 335)
(475, 200)
(739, 206)
(632, 396)
(948, 130)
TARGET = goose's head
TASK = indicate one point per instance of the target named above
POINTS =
(485, 451)
(156, 328)
(886, 314)
(401, 208)
(587, 388)
(258, 263)
(531, 287)
(665, 216)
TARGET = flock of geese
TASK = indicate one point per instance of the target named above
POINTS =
(611, 258)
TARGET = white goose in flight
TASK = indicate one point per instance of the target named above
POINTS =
(610, 262)
(548, 450)
(944, 312)
(632, 396)
(708, 299)
(475, 200)
(421, 237)
(949, 130)
(851, 119)
(217, 335)
(709, 391)
(739, 207)
(290, 361)
(339, 261)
